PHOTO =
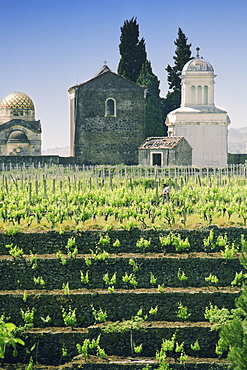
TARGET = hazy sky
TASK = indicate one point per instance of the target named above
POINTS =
(49, 45)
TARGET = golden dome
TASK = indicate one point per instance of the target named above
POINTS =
(16, 100)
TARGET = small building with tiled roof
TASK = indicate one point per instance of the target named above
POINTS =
(165, 151)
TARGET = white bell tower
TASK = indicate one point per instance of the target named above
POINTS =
(198, 120)
(197, 88)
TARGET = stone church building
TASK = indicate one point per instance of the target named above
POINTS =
(107, 120)
(20, 133)
(108, 123)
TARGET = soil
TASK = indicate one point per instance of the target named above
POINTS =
(78, 361)
(153, 324)
(132, 255)
(190, 290)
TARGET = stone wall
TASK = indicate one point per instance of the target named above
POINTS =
(30, 128)
(8, 162)
(237, 158)
(20, 292)
(51, 242)
(104, 139)
(179, 155)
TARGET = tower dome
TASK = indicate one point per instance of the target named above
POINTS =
(16, 105)
(197, 64)
(197, 80)
(16, 100)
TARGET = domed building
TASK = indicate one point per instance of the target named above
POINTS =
(20, 133)
(198, 120)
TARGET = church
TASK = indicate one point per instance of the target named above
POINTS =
(198, 120)
(107, 121)
(20, 133)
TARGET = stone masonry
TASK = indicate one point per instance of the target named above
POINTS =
(102, 137)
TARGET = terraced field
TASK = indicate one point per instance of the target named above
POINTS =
(65, 289)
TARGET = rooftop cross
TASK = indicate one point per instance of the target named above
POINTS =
(197, 52)
(105, 62)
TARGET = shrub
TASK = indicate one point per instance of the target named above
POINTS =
(7, 337)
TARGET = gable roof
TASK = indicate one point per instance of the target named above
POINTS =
(164, 142)
(105, 69)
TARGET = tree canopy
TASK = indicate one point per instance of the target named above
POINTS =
(233, 332)
(132, 50)
(182, 56)
(154, 117)
(134, 66)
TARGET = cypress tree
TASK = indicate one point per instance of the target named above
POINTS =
(154, 116)
(182, 56)
(132, 50)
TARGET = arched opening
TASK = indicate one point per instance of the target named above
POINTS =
(17, 143)
(110, 107)
(193, 94)
(199, 94)
(205, 94)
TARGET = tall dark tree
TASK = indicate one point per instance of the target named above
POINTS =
(154, 116)
(182, 56)
(132, 51)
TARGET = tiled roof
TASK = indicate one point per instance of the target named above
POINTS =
(16, 100)
(166, 142)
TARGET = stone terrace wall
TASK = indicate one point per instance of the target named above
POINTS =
(51, 242)
(17, 278)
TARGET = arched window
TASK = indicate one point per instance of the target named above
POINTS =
(110, 107)
(199, 94)
(193, 94)
(205, 94)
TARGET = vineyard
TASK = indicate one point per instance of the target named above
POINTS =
(98, 271)
(62, 199)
